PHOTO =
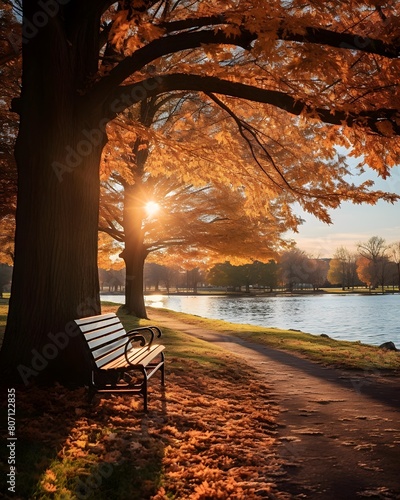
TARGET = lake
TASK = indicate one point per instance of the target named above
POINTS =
(372, 319)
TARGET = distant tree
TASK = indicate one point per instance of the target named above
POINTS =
(373, 249)
(157, 274)
(194, 277)
(372, 267)
(343, 268)
(266, 274)
(366, 272)
(374, 274)
(246, 275)
(225, 274)
(318, 272)
(113, 279)
(392, 275)
(294, 269)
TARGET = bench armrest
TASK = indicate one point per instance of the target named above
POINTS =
(139, 335)
(145, 335)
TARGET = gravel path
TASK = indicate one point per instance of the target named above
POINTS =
(339, 430)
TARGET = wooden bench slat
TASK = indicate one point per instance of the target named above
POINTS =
(109, 330)
(104, 356)
(146, 356)
(93, 319)
(98, 342)
(101, 318)
(140, 357)
(87, 329)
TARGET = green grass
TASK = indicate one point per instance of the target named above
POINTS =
(3, 314)
(343, 354)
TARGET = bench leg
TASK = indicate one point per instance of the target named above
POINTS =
(91, 389)
(163, 375)
(144, 389)
(162, 370)
(91, 395)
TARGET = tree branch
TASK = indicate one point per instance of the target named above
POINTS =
(245, 127)
(114, 233)
(311, 34)
(158, 48)
(128, 95)
(159, 245)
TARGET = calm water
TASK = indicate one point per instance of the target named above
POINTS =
(372, 319)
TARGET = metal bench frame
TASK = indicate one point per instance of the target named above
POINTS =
(122, 361)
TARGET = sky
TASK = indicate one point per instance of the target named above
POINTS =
(352, 224)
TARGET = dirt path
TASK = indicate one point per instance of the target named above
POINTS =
(339, 431)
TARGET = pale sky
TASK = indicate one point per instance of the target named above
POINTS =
(353, 223)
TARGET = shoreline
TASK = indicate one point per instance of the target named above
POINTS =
(257, 294)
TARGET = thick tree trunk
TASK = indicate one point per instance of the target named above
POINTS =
(58, 152)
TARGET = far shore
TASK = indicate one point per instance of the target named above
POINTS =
(263, 293)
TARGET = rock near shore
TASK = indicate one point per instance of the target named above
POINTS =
(389, 346)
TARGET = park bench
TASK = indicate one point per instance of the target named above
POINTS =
(121, 361)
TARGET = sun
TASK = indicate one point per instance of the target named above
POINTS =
(152, 207)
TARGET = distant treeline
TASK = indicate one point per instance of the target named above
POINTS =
(295, 271)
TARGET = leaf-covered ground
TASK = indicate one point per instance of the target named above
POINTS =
(209, 436)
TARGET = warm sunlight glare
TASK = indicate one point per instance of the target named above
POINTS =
(152, 208)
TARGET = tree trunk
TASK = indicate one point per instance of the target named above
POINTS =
(134, 253)
(134, 297)
(58, 152)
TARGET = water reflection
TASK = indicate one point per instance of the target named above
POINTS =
(155, 301)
